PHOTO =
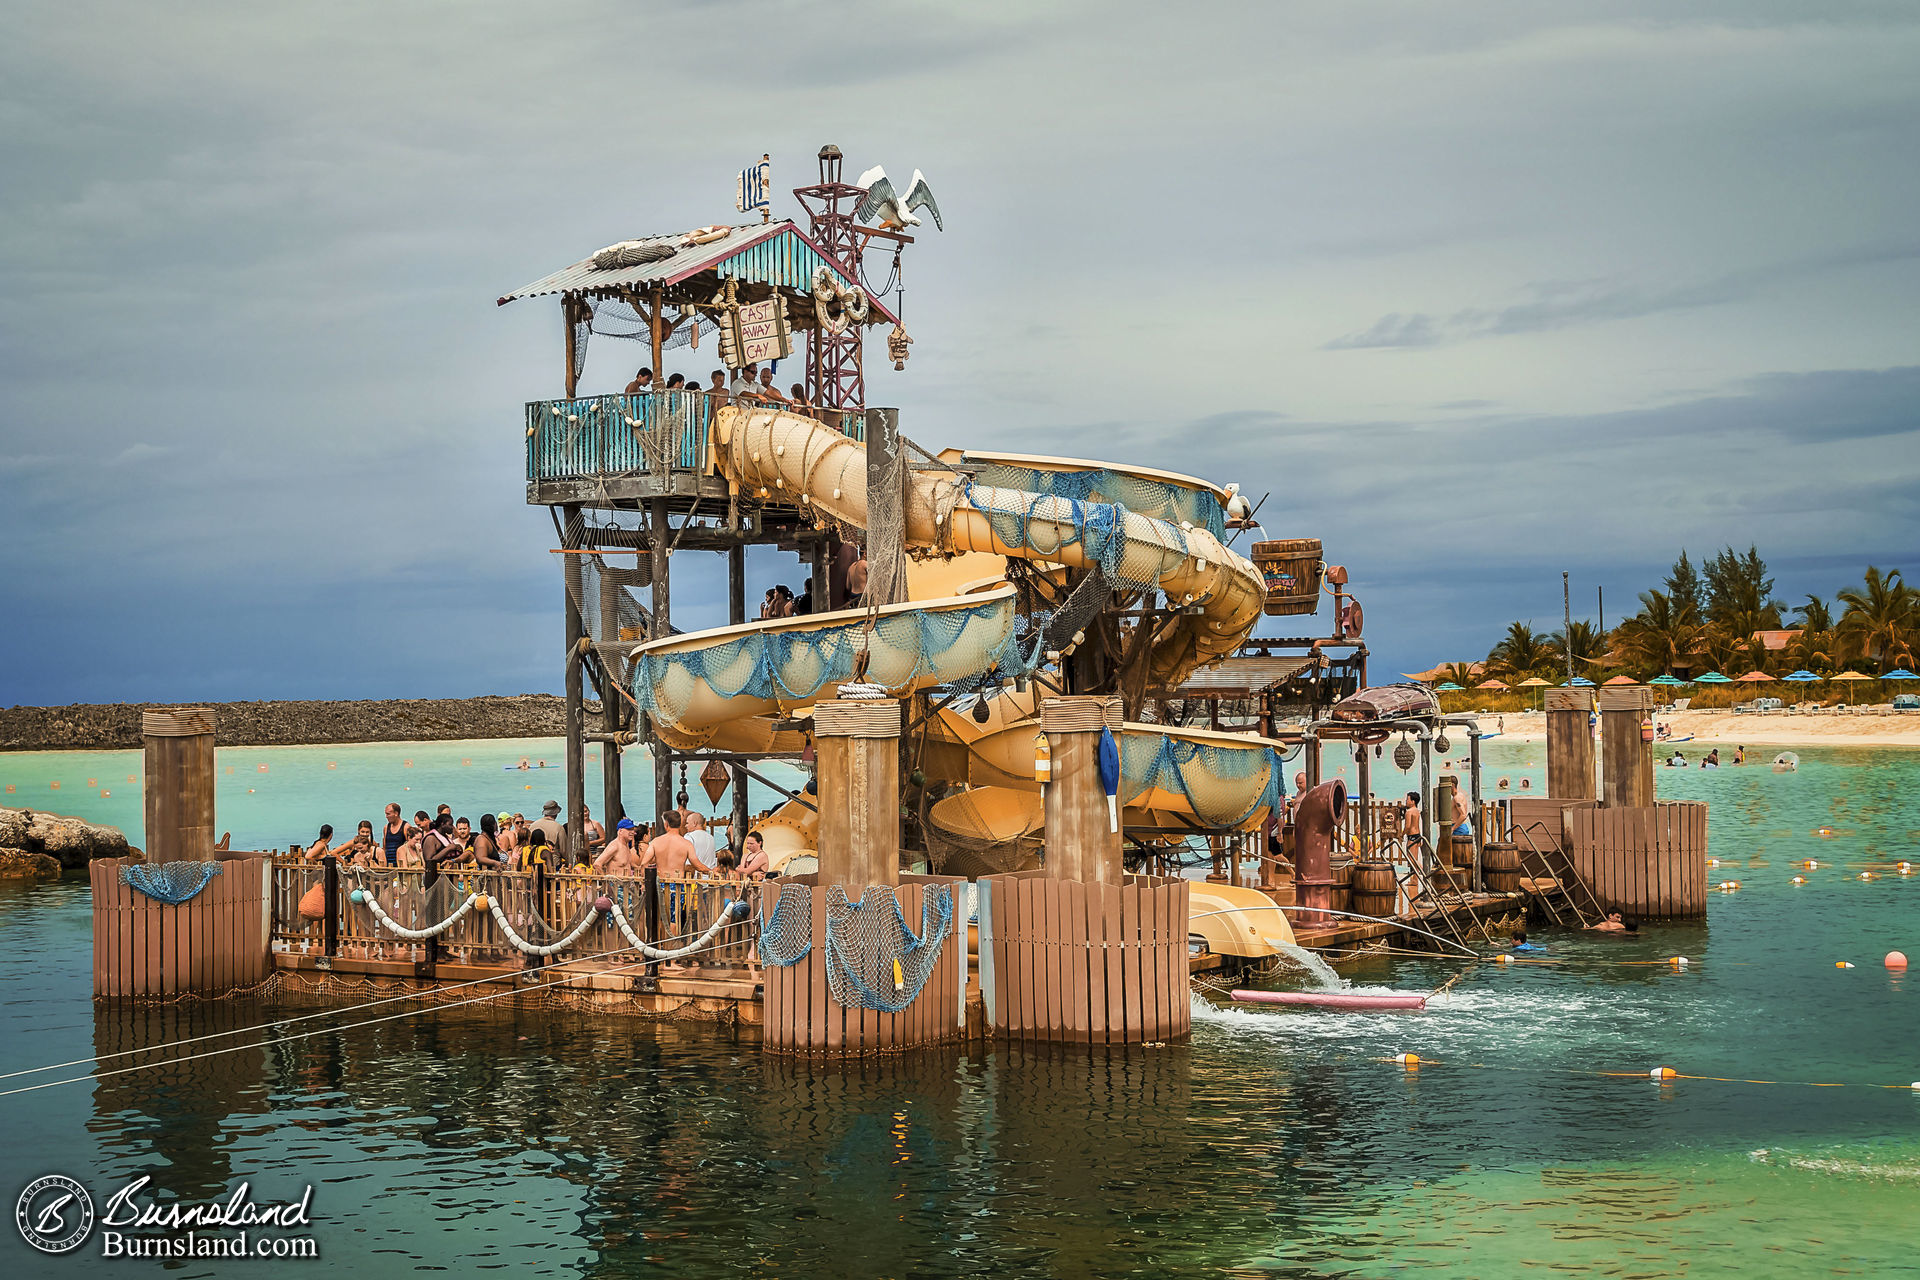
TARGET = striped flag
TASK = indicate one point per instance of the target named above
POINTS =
(753, 189)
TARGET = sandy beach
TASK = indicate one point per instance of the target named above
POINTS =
(1723, 727)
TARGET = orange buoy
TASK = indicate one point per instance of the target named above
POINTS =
(1663, 1073)
(480, 902)
(1896, 960)
(1843, 964)
(1407, 1059)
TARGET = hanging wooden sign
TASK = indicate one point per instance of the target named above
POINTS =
(755, 332)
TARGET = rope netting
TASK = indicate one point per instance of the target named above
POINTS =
(786, 932)
(1224, 786)
(170, 882)
(1134, 551)
(603, 592)
(793, 666)
(874, 960)
(1156, 498)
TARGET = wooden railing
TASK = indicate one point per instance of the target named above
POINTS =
(540, 908)
(636, 435)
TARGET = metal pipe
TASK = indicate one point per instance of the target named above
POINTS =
(1316, 815)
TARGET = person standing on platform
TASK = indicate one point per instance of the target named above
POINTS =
(621, 857)
(549, 826)
(702, 841)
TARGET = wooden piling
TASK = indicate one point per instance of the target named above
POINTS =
(1626, 759)
(857, 745)
(1570, 744)
(179, 784)
(1082, 844)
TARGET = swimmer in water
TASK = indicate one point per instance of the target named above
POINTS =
(1520, 942)
(1502, 785)
(1612, 924)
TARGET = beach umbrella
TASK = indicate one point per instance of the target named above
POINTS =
(1754, 677)
(1449, 687)
(1666, 680)
(1800, 677)
(1499, 685)
(1713, 677)
(1578, 682)
(1620, 680)
(1848, 675)
(1535, 682)
(1900, 673)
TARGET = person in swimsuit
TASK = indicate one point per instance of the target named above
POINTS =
(753, 860)
(393, 835)
(486, 844)
(321, 847)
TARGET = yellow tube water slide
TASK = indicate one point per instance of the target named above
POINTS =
(777, 456)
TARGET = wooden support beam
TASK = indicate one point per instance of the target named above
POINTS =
(659, 533)
(1570, 743)
(1626, 761)
(576, 746)
(1082, 843)
(568, 310)
(179, 784)
(856, 742)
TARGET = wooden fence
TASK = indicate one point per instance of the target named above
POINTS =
(541, 909)
(1084, 963)
(209, 945)
(800, 1015)
(1650, 863)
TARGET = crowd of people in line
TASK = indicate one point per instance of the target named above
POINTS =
(750, 385)
(679, 844)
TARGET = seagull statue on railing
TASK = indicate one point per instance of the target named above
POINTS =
(892, 210)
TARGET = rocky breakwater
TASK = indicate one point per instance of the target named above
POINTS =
(98, 727)
(39, 846)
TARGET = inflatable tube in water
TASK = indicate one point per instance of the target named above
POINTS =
(1332, 999)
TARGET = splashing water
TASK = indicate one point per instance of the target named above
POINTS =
(1325, 979)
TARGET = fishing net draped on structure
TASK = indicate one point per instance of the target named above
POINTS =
(1133, 550)
(1224, 785)
(874, 960)
(1100, 486)
(603, 591)
(170, 882)
(794, 665)
(786, 931)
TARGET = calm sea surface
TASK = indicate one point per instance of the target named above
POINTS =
(1275, 1143)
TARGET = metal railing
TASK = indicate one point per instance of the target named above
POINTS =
(645, 434)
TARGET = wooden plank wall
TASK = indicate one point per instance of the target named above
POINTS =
(213, 944)
(801, 1015)
(1649, 862)
(1089, 963)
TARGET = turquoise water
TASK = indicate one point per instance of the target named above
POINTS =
(1276, 1143)
(271, 797)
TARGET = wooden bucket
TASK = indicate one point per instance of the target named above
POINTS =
(1293, 568)
(1501, 864)
(1373, 889)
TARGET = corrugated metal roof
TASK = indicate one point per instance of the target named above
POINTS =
(775, 253)
(1242, 673)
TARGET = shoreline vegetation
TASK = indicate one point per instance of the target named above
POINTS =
(1722, 727)
(116, 726)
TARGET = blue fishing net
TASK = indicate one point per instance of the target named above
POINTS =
(979, 641)
(1155, 498)
(865, 940)
(786, 932)
(1134, 550)
(1225, 786)
(172, 882)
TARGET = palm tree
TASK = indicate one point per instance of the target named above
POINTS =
(1589, 646)
(1460, 673)
(1521, 653)
(1882, 619)
(1814, 647)
(1662, 637)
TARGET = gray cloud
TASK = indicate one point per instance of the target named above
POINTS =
(249, 257)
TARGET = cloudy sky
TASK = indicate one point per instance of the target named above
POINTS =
(1478, 292)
